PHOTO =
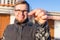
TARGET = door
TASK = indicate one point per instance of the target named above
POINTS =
(51, 25)
(4, 21)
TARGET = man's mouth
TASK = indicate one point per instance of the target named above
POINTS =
(20, 16)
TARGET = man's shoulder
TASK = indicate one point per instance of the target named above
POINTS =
(10, 27)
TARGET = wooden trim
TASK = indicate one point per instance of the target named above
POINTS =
(9, 5)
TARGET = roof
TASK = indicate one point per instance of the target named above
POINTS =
(53, 13)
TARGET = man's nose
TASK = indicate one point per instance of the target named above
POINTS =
(22, 12)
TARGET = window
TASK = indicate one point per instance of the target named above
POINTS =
(10, 1)
(2, 1)
(13, 1)
(6, 1)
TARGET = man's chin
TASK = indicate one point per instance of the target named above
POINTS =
(21, 21)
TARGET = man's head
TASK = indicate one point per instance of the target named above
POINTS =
(21, 11)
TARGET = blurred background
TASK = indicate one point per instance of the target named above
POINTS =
(52, 6)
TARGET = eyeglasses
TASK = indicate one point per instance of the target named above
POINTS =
(21, 10)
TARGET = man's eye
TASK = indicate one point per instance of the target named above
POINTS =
(22, 10)
(26, 10)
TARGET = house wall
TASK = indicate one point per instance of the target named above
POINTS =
(12, 17)
(57, 29)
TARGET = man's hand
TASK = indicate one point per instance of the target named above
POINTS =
(39, 15)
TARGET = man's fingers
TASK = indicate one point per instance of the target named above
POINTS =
(44, 17)
(32, 13)
(41, 14)
(37, 13)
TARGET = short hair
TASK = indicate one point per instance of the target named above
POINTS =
(23, 2)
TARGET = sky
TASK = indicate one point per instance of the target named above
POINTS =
(49, 5)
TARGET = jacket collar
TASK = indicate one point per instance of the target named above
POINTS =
(18, 23)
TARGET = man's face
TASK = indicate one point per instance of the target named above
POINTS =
(21, 12)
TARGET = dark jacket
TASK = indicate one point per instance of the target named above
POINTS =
(26, 31)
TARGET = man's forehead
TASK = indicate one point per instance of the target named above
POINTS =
(21, 6)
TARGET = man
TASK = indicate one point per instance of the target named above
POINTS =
(24, 28)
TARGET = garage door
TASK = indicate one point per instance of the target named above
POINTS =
(4, 21)
(51, 25)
